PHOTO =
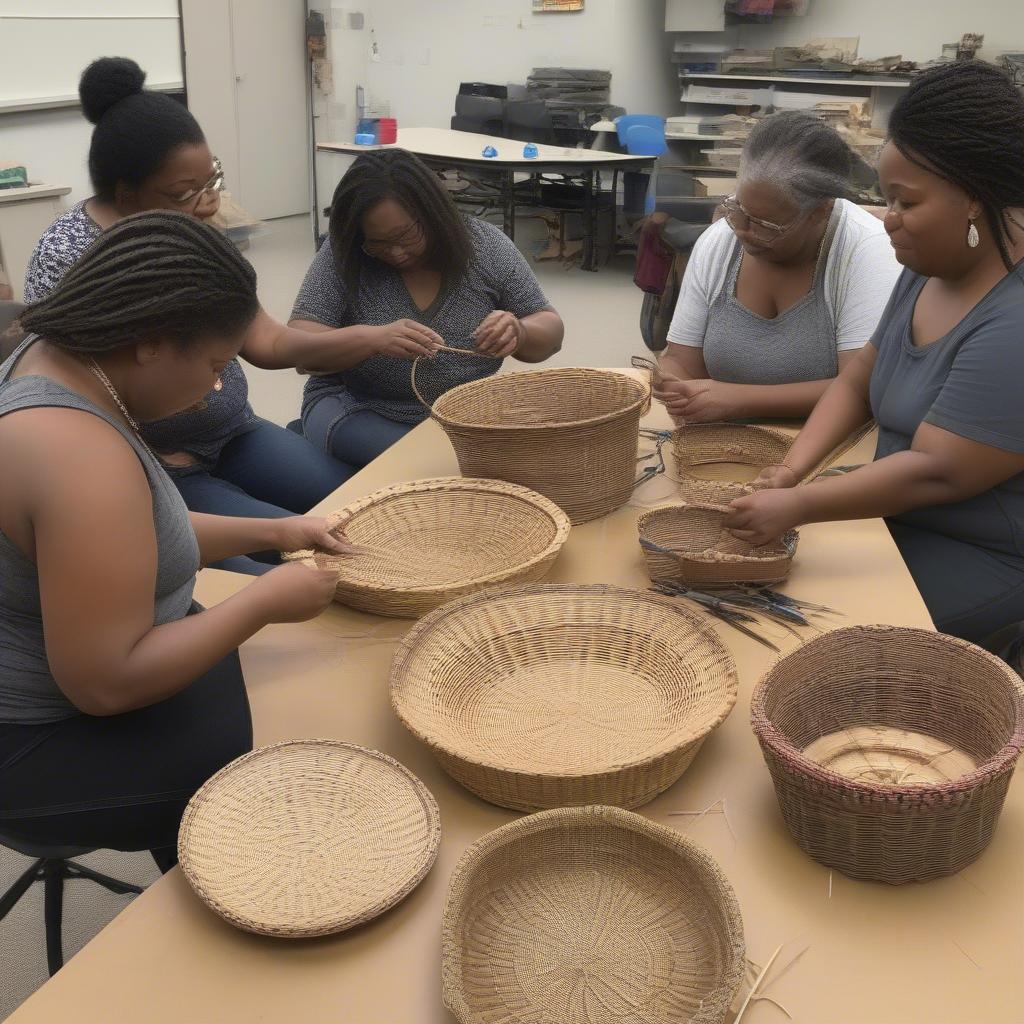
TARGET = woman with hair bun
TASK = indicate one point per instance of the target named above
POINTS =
(942, 373)
(781, 292)
(149, 153)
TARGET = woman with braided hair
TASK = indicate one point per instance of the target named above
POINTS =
(149, 153)
(943, 371)
(119, 696)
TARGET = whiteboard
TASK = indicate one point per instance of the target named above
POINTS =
(46, 44)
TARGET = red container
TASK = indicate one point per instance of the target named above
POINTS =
(387, 130)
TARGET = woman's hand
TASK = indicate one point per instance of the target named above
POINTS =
(297, 533)
(405, 339)
(774, 477)
(765, 516)
(700, 401)
(500, 334)
(294, 592)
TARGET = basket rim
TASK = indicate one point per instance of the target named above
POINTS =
(417, 788)
(610, 817)
(772, 738)
(405, 650)
(642, 399)
(542, 504)
(741, 429)
(790, 538)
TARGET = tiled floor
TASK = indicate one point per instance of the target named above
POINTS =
(601, 314)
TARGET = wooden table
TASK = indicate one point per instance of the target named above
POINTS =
(949, 952)
(446, 149)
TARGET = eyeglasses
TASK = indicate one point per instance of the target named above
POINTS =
(408, 239)
(214, 185)
(763, 230)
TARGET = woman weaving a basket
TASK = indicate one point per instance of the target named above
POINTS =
(405, 274)
(942, 373)
(781, 293)
(118, 696)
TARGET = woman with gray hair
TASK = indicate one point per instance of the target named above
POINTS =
(782, 291)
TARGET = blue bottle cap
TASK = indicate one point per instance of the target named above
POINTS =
(490, 151)
(530, 151)
(364, 139)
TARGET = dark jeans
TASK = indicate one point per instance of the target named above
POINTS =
(354, 438)
(970, 592)
(122, 782)
(267, 473)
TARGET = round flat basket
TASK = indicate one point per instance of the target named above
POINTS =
(587, 915)
(557, 696)
(699, 551)
(716, 462)
(427, 542)
(891, 749)
(308, 837)
(569, 433)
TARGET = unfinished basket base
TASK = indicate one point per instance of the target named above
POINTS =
(893, 757)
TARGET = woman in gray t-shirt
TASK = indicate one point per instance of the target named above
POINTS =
(942, 374)
(402, 273)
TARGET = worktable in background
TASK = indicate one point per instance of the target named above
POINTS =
(446, 149)
(25, 213)
(948, 952)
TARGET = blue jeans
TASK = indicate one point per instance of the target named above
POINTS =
(356, 439)
(267, 473)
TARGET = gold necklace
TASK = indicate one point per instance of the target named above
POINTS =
(105, 381)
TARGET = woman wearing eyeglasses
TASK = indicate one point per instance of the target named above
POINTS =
(781, 292)
(402, 274)
(149, 153)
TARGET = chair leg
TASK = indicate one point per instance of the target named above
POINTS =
(75, 870)
(53, 913)
(20, 887)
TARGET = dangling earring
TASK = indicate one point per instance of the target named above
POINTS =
(973, 238)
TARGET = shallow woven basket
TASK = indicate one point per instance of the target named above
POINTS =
(570, 434)
(557, 696)
(903, 700)
(725, 446)
(308, 837)
(692, 532)
(590, 915)
(430, 541)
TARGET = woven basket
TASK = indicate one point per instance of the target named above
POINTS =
(590, 915)
(705, 553)
(434, 540)
(308, 837)
(570, 434)
(724, 446)
(557, 696)
(882, 707)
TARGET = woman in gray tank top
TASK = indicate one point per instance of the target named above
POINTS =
(119, 697)
(781, 292)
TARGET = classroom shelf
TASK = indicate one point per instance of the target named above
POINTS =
(883, 83)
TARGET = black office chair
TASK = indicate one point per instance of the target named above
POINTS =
(52, 866)
(482, 114)
(529, 121)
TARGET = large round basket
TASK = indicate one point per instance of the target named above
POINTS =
(557, 696)
(590, 915)
(308, 837)
(427, 542)
(688, 543)
(891, 749)
(571, 434)
(716, 462)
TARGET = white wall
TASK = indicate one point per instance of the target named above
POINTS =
(52, 144)
(426, 49)
(914, 28)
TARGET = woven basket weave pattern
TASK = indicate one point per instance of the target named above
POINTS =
(692, 529)
(905, 679)
(702, 444)
(533, 428)
(435, 540)
(551, 696)
(308, 837)
(590, 916)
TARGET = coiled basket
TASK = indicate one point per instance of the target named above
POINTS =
(891, 749)
(716, 462)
